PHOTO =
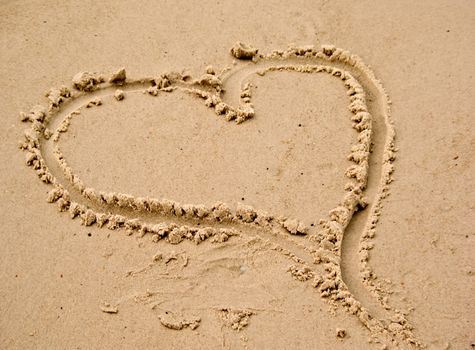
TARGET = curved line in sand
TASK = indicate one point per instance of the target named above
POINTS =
(323, 248)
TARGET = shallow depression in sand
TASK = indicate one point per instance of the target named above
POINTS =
(178, 144)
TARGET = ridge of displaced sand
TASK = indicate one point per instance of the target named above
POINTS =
(118, 210)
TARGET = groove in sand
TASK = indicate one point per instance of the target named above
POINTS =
(329, 259)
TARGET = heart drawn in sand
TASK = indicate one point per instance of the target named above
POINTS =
(176, 221)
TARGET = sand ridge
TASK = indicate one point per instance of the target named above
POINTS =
(317, 255)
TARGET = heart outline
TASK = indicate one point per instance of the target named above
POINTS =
(209, 89)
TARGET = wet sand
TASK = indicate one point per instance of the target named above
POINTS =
(230, 189)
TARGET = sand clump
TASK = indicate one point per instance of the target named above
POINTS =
(36, 114)
(56, 96)
(177, 322)
(118, 77)
(97, 101)
(243, 51)
(324, 246)
(85, 81)
(108, 308)
(340, 333)
(119, 94)
(235, 319)
(301, 273)
(293, 226)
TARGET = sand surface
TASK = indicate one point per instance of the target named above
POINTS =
(237, 176)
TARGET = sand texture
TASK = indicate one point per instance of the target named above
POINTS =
(226, 188)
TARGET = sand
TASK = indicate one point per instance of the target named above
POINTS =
(230, 189)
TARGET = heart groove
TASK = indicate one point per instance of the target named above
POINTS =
(42, 149)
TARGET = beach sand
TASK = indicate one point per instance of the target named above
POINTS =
(252, 175)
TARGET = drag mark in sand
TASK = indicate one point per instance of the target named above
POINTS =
(317, 256)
